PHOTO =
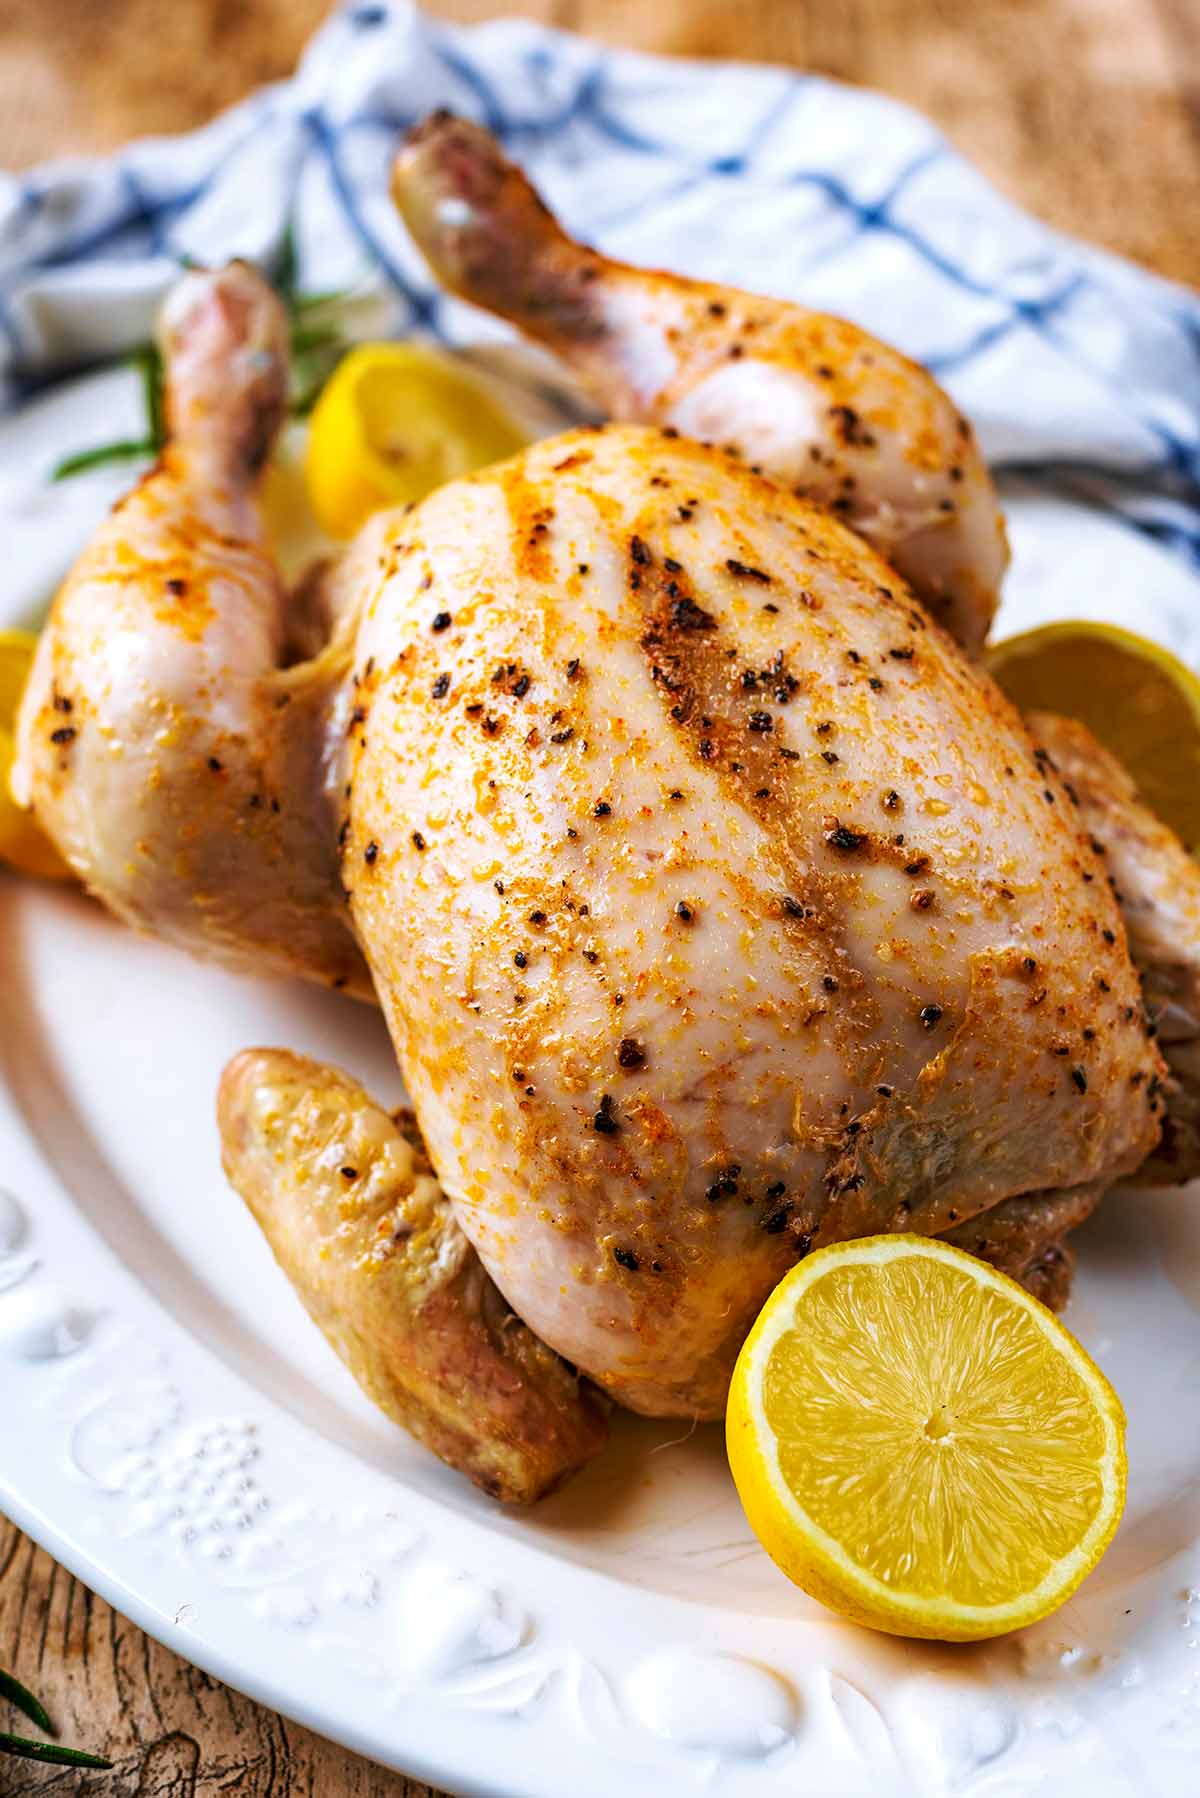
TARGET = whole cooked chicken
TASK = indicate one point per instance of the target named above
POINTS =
(717, 905)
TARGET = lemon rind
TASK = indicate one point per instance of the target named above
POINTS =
(803, 1546)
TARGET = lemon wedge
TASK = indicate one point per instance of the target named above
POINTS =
(394, 421)
(920, 1444)
(1135, 696)
(22, 844)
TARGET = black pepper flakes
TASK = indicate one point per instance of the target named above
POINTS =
(630, 1053)
(684, 912)
(418, 842)
(840, 836)
(440, 687)
(604, 1123)
(602, 809)
(1079, 1076)
(441, 622)
(371, 853)
(744, 572)
(520, 959)
(760, 723)
(931, 1016)
(626, 1257)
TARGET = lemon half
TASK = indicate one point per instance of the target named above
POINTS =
(1134, 695)
(920, 1444)
(394, 421)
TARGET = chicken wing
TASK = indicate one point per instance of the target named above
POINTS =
(350, 1205)
(1157, 885)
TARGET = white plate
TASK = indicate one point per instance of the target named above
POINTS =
(176, 1431)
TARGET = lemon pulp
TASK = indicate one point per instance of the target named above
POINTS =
(395, 421)
(1139, 700)
(22, 844)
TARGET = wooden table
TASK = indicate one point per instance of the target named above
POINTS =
(1087, 111)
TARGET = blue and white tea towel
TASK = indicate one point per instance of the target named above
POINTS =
(1081, 372)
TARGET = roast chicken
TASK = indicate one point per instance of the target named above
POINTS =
(718, 905)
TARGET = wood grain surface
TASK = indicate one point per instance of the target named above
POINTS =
(1086, 111)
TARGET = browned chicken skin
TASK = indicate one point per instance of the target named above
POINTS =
(1157, 885)
(717, 904)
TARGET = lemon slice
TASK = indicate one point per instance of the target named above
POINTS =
(394, 421)
(920, 1444)
(1138, 699)
(22, 844)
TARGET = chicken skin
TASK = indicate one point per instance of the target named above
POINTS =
(717, 905)
(815, 402)
(1157, 884)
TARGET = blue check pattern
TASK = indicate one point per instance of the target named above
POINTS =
(1080, 371)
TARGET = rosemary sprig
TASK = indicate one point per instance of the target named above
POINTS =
(150, 365)
(122, 451)
(15, 1693)
(26, 1749)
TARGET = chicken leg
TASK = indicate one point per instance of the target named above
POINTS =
(816, 403)
(186, 771)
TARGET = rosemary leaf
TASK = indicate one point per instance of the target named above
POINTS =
(12, 1690)
(312, 302)
(314, 337)
(105, 452)
(287, 267)
(50, 1751)
(149, 362)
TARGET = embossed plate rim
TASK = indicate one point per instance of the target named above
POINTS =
(504, 1665)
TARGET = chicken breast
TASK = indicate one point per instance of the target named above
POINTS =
(717, 905)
